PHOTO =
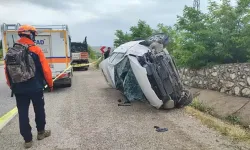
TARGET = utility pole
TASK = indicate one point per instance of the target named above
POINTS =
(196, 4)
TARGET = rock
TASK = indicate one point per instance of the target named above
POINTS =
(232, 76)
(242, 83)
(237, 90)
(229, 84)
(200, 82)
(246, 92)
(222, 90)
(248, 80)
(246, 69)
(221, 81)
(206, 72)
(214, 86)
(238, 73)
(214, 74)
(200, 72)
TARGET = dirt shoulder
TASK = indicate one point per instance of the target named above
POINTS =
(87, 116)
(224, 105)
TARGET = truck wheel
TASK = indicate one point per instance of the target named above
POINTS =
(69, 84)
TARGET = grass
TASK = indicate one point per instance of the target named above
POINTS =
(201, 107)
(228, 126)
(233, 119)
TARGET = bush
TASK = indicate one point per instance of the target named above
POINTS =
(92, 53)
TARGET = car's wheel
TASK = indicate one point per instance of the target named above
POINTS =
(185, 100)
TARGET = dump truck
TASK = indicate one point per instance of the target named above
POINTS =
(80, 55)
(54, 41)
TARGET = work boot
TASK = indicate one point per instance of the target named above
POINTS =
(43, 134)
(28, 144)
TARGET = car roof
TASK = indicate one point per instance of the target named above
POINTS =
(126, 46)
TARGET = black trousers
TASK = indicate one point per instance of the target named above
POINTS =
(23, 103)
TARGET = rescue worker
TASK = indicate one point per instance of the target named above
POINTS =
(106, 54)
(32, 90)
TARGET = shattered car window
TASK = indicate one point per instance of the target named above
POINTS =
(117, 58)
(112, 57)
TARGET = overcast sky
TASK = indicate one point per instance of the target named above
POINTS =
(97, 19)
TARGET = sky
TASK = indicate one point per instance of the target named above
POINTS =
(96, 19)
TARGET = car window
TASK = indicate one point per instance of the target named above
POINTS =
(117, 58)
(111, 58)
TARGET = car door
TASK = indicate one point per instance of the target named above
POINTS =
(114, 59)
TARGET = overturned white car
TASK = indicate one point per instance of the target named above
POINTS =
(143, 70)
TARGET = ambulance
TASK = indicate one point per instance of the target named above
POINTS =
(54, 41)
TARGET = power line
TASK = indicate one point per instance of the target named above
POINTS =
(196, 4)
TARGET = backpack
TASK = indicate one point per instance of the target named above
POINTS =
(19, 63)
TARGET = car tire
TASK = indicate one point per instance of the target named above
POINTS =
(186, 100)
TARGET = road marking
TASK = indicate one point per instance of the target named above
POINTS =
(5, 119)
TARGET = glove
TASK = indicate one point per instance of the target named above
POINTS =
(51, 89)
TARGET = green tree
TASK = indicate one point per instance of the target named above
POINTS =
(141, 30)
(92, 53)
(200, 39)
(121, 38)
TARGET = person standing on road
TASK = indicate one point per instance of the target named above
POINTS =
(106, 54)
(32, 88)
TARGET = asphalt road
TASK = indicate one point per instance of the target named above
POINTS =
(6, 101)
(87, 117)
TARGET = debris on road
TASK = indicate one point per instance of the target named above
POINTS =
(158, 129)
(124, 104)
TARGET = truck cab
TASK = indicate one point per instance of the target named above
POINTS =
(80, 55)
